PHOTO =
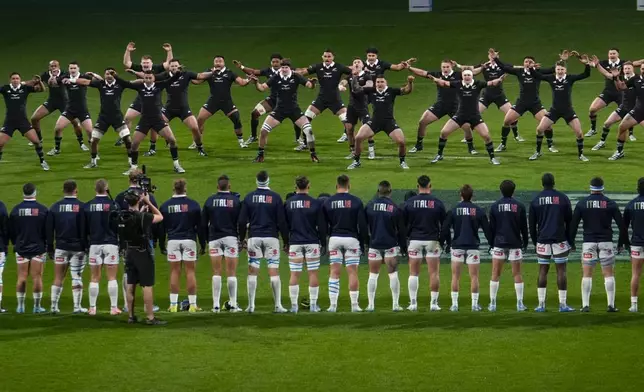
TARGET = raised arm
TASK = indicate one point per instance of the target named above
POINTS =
(403, 64)
(419, 72)
(36, 83)
(168, 55)
(127, 57)
(409, 87)
(311, 83)
(247, 70)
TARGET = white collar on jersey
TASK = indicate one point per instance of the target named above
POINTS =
(374, 63)
(98, 195)
(274, 70)
(108, 84)
(73, 78)
(151, 87)
(51, 74)
(178, 196)
(468, 85)
(361, 73)
(449, 74)
(526, 71)
(383, 91)
(614, 64)
(70, 197)
(328, 66)
(15, 88)
(626, 77)
(221, 70)
(287, 76)
(561, 79)
(263, 187)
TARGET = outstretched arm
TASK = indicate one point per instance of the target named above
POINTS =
(168, 57)
(440, 82)
(403, 64)
(242, 82)
(247, 70)
(127, 57)
(419, 72)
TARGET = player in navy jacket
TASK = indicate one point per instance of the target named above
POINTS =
(634, 217)
(263, 212)
(103, 245)
(66, 234)
(307, 230)
(182, 224)
(466, 218)
(424, 215)
(348, 235)
(549, 221)
(509, 231)
(219, 217)
(27, 223)
(4, 245)
(598, 213)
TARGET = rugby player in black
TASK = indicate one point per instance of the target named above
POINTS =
(619, 78)
(268, 103)
(329, 74)
(610, 94)
(220, 82)
(358, 109)
(382, 98)
(15, 99)
(561, 84)
(286, 82)
(76, 108)
(634, 217)
(57, 100)
(146, 64)
(635, 116)
(468, 113)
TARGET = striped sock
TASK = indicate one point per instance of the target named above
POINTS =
(334, 291)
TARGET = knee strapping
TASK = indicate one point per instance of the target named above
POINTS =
(235, 118)
(343, 117)
(266, 127)
(308, 131)
(310, 114)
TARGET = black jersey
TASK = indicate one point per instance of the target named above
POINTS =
(76, 93)
(57, 93)
(490, 72)
(637, 83)
(377, 68)
(110, 94)
(508, 224)
(444, 95)
(629, 96)
(156, 68)
(383, 101)
(550, 216)
(268, 73)
(598, 213)
(329, 77)
(609, 86)
(220, 83)
(177, 91)
(528, 82)
(150, 96)
(562, 88)
(15, 100)
(358, 99)
(468, 95)
(424, 215)
(286, 90)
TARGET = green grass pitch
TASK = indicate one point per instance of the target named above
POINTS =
(320, 352)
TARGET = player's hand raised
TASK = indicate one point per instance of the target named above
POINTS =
(253, 78)
(167, 47)
(564, 55)
(574, 53)
(411, 60)
(237, 63)
(410, 79)
(131, 47)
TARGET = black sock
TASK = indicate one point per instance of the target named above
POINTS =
(93, 155)
(39, 134)
(580, 146)
(352, 148)
(135, 157)
(490, 149)
(419, 141)
(470, 144)
(38, 148)
(402, 158)
(630, 131)
(1, 152)
(57, 141)
(441, 145)
(298, 131)
(593, 121)
(371, 143)
(312, 150)
(515, 129)
(539, 143)
(174, 152)
(620, 146)
(254, 123)
(199, 146)
(605, 132)
(79, 138)
(260, 151)
(153, 146)
(505, 131)
(549, 134)
(356, 157)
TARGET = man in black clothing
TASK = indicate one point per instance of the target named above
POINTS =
(634, 217)
(635, 116)
(358, 109)
(4, 245)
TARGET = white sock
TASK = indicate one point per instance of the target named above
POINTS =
(276, 285)
(494, 289)
(454, 298)
(609, 284)
(192, 300)
(20, 298)
(586, 288)
(372, 285)
(412, 286)
(541, 295)
(563, 296)
(77, 295)
(113, 292)
(314, 293)
(434, 297)
(475, 299)
(518, 288)
(216, 291)
(354, 297)
(1, 291)
(37, 299)
(174, 299)
(634, 300)
(124, 284)
(93, 294)
(334, 291)
(252, 289)
(294, 293)
(55, 296)
(232, 290)
(394, 285)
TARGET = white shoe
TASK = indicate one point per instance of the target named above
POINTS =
(583, 158)
(436, 158)
(53, 152)
(332, 309)
(403, 165)
(80, 310)
(601, 144)
(453, 308)
(178, 168)
(474, 152)
(591, 132)
(83, 147)
(632, 138)
(193, 146)
(350, 156)
(235, 309)
(463, 140)
(521, 307)
(280, 309)
(434, 308)
(315, 309)
(412, 308)
(553, 149)
(501, 148)
(216, 309)
(54, 311)
(356, 309)
(616, 155)
(372, 153)
(343, 138)
(90, 165)
(130, 170)
(414, 150)
(250, 310)
(491, 308)
(535, 156)
(370, 308)
(251, 140)
(354, 165)
(519, 139)
(495, 161)
(294, 309)
(30, 144)
(397, 308)
(301, 147)
(44, 166)
(476, 308)
(633, 308)
(242, 144)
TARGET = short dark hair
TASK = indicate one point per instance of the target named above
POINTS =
(276, 56)
(467, 192)
(597, 182)
(410, 194)
(381, 76)
(424, 181)
(101, 186)
(146, 57)
(301, 182)
(150, 72)
(372, 50)
(175, 60)
(69, 186)
(262, 176)
(28, 189)
(180, 186)
(219, 56)
(343, 180)
(73, 62)
(548, 180)
(357, 58)
(640, 186)
(614, 48)
(110, 69)
(285, 63)
(561, 63)
(384, 188)
(328, 50)
(529, 58)
(448, 61)
(628, 63)
(507, 188)
(14, 73)
(223, 182)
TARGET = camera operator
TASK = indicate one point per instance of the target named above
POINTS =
(134, 227)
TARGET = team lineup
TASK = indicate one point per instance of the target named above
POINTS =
(340, 226)
(460, 97)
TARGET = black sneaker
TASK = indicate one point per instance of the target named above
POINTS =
(132, 320)
(585, 309)
(314, 158)
(155, 321)
(258, 159)
(118, 142)
(612, 309)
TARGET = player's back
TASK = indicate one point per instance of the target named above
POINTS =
(343, 212)
(27, 227)
(466, 218)
(264, 211)
(100, 223)
(221, 214)
(305, 219)
(66, 219)
(383, 217)
(634, 215)
(551, 212)
(597, 212)
(508, 221)
(424, 215)
(181, 218)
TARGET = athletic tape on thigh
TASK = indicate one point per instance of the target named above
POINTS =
(310, 114)
(266, 127)
(96, 134)
(560, 260)
(253, 262)
(124, 131)
(295, 267)
(236, 120)
(543, 261)
(343, 117)
(273, 263)
(260, 109)
(313, 265)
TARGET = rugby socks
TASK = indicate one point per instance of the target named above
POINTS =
(20, 298)
(353, 295)
(55, 296)
(454, 295)
(505, 131)
(260, 152)
(192, 300)
(441, 145)
(490, 149)
(174, 299)
(1, 155)
(334, 291)
(174, 152)
(153, 146)
(37, 299)
(314, 293)
(518, 289)
(93, 294)
(134, 155)
(394, 285)
(276, 286)
(580, 146)
(515, 129)
(470, 144)
(298, 132)
(294, 293)
(494, 289)
(549, 133)
(39, 133)
(563, 297)
(232, 290)
(539, 143)
(372, 144)
(216, 291)
(372, 285)
(57, 140)
(419, 141)
(252, 289)
(605, 132)
(79, 139)
(609, 285)
(402, 158)
(630, 132)
(593, 121)
(475, 300)
(434, 297)
(124, 282)
(586, 288)
(77, 296)
(634, 302)
(254, 124)
(113, 292)
(620, 146)
(541, 296)
(412, 286)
